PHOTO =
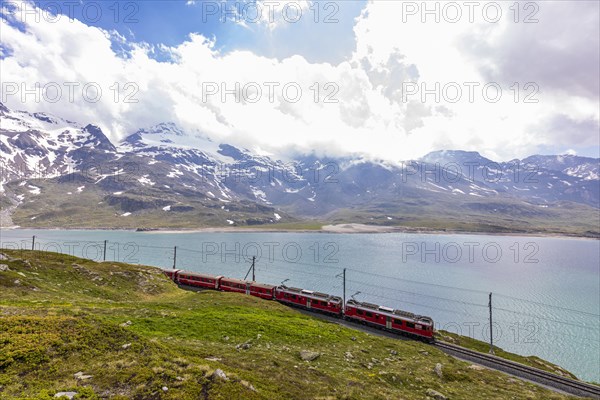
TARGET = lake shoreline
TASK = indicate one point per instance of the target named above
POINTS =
(349, 228)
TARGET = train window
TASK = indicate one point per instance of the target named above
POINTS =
(368, 314)
(398, 321)
(359, 312)
(410, 325)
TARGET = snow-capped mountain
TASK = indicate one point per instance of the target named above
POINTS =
(41, 145)
(536, 179)
(585, 168)
(164, 173)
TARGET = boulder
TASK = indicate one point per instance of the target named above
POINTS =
(435, 395)
(476, 367)
(68, 395)
(308, 355)
(81, 377)
(4, 267)
(438, 370)
(244, 346)
(219, 374)
(247, 385)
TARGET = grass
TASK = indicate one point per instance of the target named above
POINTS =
(134, 333)
(484, 347)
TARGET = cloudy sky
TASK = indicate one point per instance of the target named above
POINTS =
(387, 79)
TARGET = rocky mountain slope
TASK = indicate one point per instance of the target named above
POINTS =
(56, 172)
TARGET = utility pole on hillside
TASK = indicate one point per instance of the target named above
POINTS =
(343, 276)
(175, 257)
(491, 332)
(251, 269)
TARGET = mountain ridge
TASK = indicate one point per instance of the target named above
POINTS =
(160, 171)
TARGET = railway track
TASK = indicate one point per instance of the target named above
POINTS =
(566, 385)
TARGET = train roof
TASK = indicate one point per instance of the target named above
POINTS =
(262, 285)
(310, 293)
(392, 312)
(233, 280)
(290, 289)
(190, 273)
(364, 304)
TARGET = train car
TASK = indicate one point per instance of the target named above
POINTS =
(416, 325)
(198, 280)
(171, 273)
(310, 300)
(234, 285)
(397, 321)
(262, 290)
(324, 302)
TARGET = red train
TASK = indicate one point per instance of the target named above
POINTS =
(385, 318)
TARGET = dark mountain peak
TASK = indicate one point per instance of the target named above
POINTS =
(97, 138)
(45, 117)
(133, 139)
(233, 152)
(3, 108)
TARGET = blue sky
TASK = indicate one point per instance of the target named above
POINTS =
(322, 33)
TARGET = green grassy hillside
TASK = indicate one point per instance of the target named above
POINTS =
(110, 330)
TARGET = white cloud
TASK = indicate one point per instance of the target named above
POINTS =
(370, 116)
(454, 53)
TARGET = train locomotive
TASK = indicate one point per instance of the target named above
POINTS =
(385, 318)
